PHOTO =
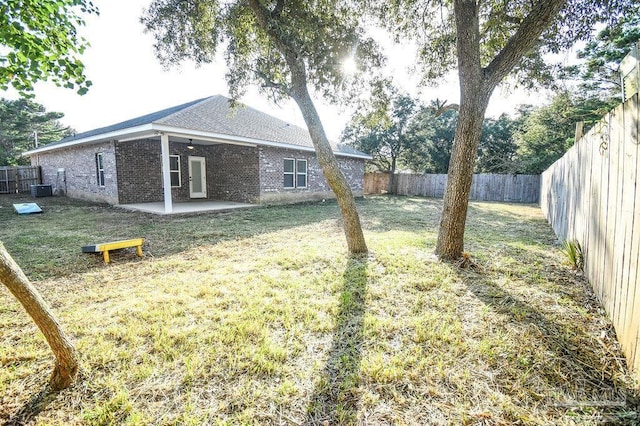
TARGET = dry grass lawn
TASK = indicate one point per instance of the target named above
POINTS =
(260, 317)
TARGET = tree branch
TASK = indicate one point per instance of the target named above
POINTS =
(269, 84)
(277, 10)
(542, 14)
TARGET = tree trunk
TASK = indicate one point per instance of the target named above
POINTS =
(476, 86)
(66, 364)
(327, 160)
(392, 177)
(474, 98)
(450, 243)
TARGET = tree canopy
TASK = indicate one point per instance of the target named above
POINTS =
(597, 74)
(39, 41)
(283, 47)
(501, 26)
(498, 150)
(547, 132)
(433, 137)
(21, 121)
(322, 34)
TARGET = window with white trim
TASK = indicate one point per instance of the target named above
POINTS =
(100, 168)
(301, 173)
(174, 171)
(289, 172)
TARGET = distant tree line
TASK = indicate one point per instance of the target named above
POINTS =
(22, 121)
(403, 134)
(410, 136)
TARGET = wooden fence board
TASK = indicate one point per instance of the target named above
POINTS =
(15, 179)
(629, 151)
(618, 242)
(592, 194)
(612, 207)
(485, 187)
(633, 333)
(587, 248)
(601, 219)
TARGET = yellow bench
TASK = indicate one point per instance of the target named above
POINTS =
(114, 245)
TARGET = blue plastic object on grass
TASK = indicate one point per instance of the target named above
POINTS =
(27, 208)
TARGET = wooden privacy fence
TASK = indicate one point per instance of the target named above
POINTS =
(19, 178)
(485, 187)
(592, 195)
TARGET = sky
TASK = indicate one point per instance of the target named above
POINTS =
(128, 80)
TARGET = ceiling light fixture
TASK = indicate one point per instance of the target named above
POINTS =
(190, 146)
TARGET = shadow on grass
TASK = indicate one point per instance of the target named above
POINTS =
(335, 397)
(34, 406)
(49, 245)
(573, 366)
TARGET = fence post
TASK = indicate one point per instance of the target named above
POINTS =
(17, 180)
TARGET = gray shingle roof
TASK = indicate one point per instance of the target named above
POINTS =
(215, 115)
(138, 121)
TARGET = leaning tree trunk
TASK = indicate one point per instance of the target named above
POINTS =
(66, 364)
(327, 160)
(332, 173)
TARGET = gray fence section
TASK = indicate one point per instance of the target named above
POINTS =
(592, 195)
(485, 187)
(19, 179)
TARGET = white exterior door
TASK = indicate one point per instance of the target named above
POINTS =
(197, 177)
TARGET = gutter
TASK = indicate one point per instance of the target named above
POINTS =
(153, 129)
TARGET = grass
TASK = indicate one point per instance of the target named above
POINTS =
(260, 317)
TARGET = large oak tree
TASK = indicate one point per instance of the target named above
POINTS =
(282, 46)
(487, 40)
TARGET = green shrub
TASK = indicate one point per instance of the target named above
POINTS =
(573, 252)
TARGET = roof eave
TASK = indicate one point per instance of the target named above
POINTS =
(141, 130)
(153, 129)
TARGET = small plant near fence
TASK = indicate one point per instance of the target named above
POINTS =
(573, 253)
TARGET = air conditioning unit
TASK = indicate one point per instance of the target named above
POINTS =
(41, 191)
(630, 73)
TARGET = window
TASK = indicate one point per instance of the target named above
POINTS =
(295, 173)
(301, 173)
(174, 171)
(100, 169)
(289, 172)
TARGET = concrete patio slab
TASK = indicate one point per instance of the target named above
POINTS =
(188, 207)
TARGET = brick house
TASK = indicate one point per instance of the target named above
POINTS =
(201, 150)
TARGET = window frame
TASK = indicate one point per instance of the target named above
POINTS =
(177, 171)
(100, 169)
(305, 174)
(291, 173)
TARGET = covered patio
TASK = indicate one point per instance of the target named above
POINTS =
(187, 207)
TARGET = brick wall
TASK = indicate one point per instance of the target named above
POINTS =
(272, 188)
(139, 171)
(80, 175)
(232, 171)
